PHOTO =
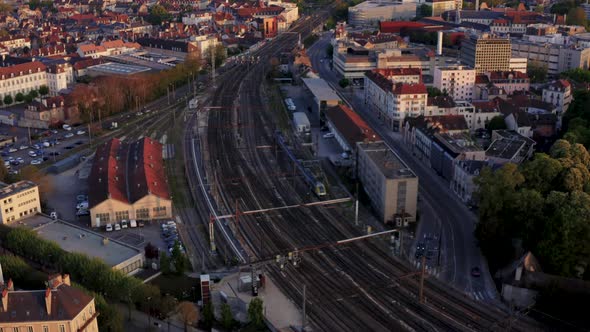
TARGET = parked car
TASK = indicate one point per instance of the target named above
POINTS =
(32, 154)
(132, 223)
(124, 224)
(81, 198)
(117, 227)
(20, 160)
(23, 147)
(12, 150)
(140, 223)
(53, 215)
(54, 131)
(82, 205)
(80, 132)
(66, 127)
(36, 146)
(82, 212)
(109, 228)
(329, 135)
(35, 162)
(46, 144)
(68, 135)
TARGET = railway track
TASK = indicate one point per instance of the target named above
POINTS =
(356, 287)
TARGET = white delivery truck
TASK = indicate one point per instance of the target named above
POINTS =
(301, 122)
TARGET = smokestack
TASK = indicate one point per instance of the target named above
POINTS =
(5, 300)
(476, 5)
(48, 301)
(439, 43)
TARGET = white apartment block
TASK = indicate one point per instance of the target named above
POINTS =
(18, 200)
(393, 102)
(457, 81)
(29, 76)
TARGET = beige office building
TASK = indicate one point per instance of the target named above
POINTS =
(389, 182)
(18, 200)
(486, 53)
(59, 308)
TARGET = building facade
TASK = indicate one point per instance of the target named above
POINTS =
(29, 76)
(555, 57)
(370, 13)
(18, 201)
(129, 183)
(389, 182)
(558, 93)
(486, 53)
(457, 81)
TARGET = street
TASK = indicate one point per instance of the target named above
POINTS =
(441, 212)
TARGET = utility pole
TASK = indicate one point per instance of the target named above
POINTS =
(212, 233)
(356, 205)
(303, 313)
(422, 279)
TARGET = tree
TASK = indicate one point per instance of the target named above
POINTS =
(577, 74)
(330, 23)
(496, 123)
(33, 94)
(537, 71)
(178, 259)
(164, 262)
(8, 100)
(344, 83)
(562, 7)
(158, 14)
(227, 319)
(188, 313)
(219, 54)
(423, 10)
(208, 315)
(151, 251)
(43, 90)
(3, 171)
(166, 306)
(255, 312)
(434, 92)
(19, 97)
(576, 16)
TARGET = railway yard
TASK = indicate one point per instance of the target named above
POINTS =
(353, 287)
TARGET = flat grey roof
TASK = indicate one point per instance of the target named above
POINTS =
(391, 165)
(7, 190)
(118, 68)
(74, 239)
(320, 89)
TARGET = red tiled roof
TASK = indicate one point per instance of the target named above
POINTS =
(350, 125)
(127, 172)
(398, 72)
(21, 69)
(409, 89)
(481, 79)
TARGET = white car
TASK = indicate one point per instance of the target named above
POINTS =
(12, 150)
(35, 162)
(82, 212)
(32, 154)
(132, 223)
(20, 160)
(46, 144)
(124, 224)
(82, 205)
(109, 228)
(117, 227)
(23, 147)
(68, 135)
(66, 127)
(80, 132)
(329, 135)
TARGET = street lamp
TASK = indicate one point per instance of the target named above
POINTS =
(149, 298)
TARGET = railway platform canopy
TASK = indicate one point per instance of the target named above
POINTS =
(324, 96)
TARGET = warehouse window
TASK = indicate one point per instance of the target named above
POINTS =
(160, 211)
(142, 213)
(104, 217)
(121, 215)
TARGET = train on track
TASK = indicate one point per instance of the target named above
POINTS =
(317, 186)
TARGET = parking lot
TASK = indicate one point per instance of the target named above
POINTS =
(49, 145)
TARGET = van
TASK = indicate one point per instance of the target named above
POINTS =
(132, 223)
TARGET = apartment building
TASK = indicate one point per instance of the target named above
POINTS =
(128, 182)
(28, 76)
(486, 53)
(558, 93)
(12, 43)
(18, 201)
(441, 6)
(401, 75)
(58, 308)
(556, 58)
(457, 81)
(393, 102)
(510, 81)
(389, 182)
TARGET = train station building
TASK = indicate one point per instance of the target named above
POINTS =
(128, 182)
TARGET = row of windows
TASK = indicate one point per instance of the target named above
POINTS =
(25, 193)
(9, 210)
(26, 213)
(143, 213)
(8, 201)
(27, 202)
(62, 328)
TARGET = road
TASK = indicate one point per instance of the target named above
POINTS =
(359, 286)
(442, 214)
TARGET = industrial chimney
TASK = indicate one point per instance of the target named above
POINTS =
(439, 43)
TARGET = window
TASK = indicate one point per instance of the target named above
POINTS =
(15, 329)
(120, 215)
(104, 217)
(45, 328)
(30, 329)
(62, 328)
(142, 213)
(159, 211)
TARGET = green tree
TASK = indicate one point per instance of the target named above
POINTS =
(8, 100)
(256, 312)
(434, 92)
(33, 94)
(330, 23)
(19, 97)
(542, 173)
(537, 72)
(164, 262)
(43, 90)
(344, 83)
(496, 123)
(158, 14)
(178, 259)
(423, 10)
(563, 7)
(577, 74)
(208, 315)
(227, 319)
(576, 16)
